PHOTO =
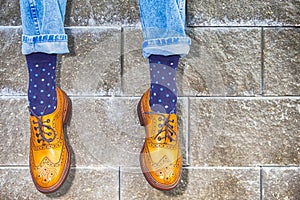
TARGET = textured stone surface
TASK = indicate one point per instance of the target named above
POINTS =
(10, 13)
(281, 183)
(13, 70)
(96, 183)
(243, 13)
(244, 132)
(136, 78)
(101, 12)
(102, 131)
(93, 66)
(14, 131)
(282, 61)
(222, 62)
(196, 183)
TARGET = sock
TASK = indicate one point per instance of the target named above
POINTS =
(163, 89)
(42, 83)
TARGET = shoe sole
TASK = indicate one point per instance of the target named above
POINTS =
(65, 173)
(145, 171)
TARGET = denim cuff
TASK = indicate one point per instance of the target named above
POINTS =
(167, 46)
(51, 44)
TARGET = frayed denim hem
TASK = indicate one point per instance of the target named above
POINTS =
(167, 46)
(51, 44)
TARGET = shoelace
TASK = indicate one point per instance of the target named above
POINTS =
(41, 127)
(169, 129)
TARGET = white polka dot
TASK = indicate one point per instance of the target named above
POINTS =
(52, 77)
(158, 72)
(53, 87)
(42, 79)
(49, 106)
(168, 84)
(53, 67)
(54, 107)
(48, 95)
(158, 62)
(30, 80)
(41, 102)
(174, 79)
(159, 100)
(48, 84)
(42, 91)
(48, 73)
(156, 82)
(164, 67)
(30, 69)
(167, 95)
(163, 78)
(35, 85)
(43, 69)
(171, 63)
(29, 91)
(170, 73)
(173, 100)
(34, 97)
(36, 65)
(33, 107)
(49, 64)
(154, 94)
(161, 89)
(36, 75)
(166, 106)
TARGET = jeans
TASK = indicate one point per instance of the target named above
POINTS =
(43, 26)
(162, 22)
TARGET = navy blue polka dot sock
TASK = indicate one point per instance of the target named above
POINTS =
(163, 89)
(42, 83)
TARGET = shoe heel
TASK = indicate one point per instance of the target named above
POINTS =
(139, 112)
(67, 108)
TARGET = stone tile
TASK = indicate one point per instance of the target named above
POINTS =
(102, 131)
(98, 183)
(243, 13)
(221, 62)
(196, 183)
(10, 13)
(281, 183)
(282, 61)
(93, 66)
(101, 12)
(14, 131)
(244, 132)
(136, 77)
(13, 70)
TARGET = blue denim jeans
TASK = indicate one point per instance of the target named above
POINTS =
(163, 23)
(43, 26)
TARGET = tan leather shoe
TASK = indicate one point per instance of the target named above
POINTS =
(49, 154)
(160, 158)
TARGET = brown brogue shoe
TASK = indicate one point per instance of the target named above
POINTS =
(49, 154)
(160, 158)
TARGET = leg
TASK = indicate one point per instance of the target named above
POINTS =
(164, 43)
(43, 38)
